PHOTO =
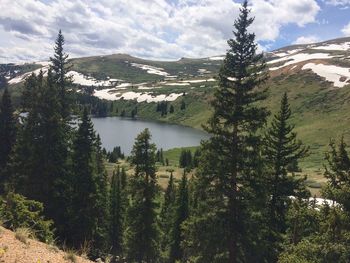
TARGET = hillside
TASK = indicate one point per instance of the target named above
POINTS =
(12, 250)
(316, 77)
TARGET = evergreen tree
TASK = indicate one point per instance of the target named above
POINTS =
(183, 105)
(171, 110)
(123, 178)
(141, 234)
(7, 135)
(3, 82)
(60, 68)
(338, 175)
(88, 220)
(117, 207)
(223, 228)
(39, 167)
(167, 212)
(181, 214)
(281, 150)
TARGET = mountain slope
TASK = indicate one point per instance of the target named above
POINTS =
(316, 77)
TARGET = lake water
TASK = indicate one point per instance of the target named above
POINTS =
(117, 131)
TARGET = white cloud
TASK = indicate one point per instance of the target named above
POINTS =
(306, 40)
(346, 30)
(152, 29)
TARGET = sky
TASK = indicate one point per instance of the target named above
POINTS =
(160, 29)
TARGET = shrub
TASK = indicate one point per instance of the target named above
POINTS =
(16, 212)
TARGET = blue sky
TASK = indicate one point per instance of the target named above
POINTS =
(160, 29)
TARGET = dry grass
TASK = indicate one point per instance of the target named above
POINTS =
(85, 249)
(70, 256)
(23, 234)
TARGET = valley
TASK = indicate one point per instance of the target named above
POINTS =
(316, 78)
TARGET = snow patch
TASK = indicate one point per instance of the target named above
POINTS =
(83, 80)
(298, 58)
(151, 69)
(339, 47)
(177, 84)
(288, 52)
(338, 75)
(23, 77)
(197, 80)
(113, 94)
(217, 58)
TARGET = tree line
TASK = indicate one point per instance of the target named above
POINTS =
(241, 204)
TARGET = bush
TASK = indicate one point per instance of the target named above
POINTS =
(17, 212)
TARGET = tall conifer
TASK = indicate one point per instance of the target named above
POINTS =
(117, 209)
(230, 171)
(167, 212)
(141, 234)
(89, 204)
(180, 215)
(60, 67)
(281, 150)
(7, 135)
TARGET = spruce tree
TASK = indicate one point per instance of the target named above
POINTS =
(281, 150)
(117, 209)
(39, 167)
(89, 204)
(7, 135)
(181, 214)
(60, 68)
(167, 212)
(224, 226)
(141, 234)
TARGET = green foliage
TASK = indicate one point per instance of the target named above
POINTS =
(39, 165)
(321, 234)
(59, 66)
(16, 211)
(185, 160)
(118, 204)
(89, 190)
(141, 233)
(167, 212)
(7, 136)
(338, 175)
(281, 150)
(181, 214)
(229, 176)
(115, 154)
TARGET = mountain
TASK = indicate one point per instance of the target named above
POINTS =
(316, 77)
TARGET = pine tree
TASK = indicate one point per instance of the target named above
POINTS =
(141, 234)
(183, 105)
(181, 214)
(39, 167)
(281, 150)
(230, 173)
(167, 212)
(60, 68)
(7, 135)
(89, 204)
(117, 207)
(320, 233)
(101, 233)
(171, 110)
(338, 175)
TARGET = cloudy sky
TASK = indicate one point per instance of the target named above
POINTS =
(160, 29)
